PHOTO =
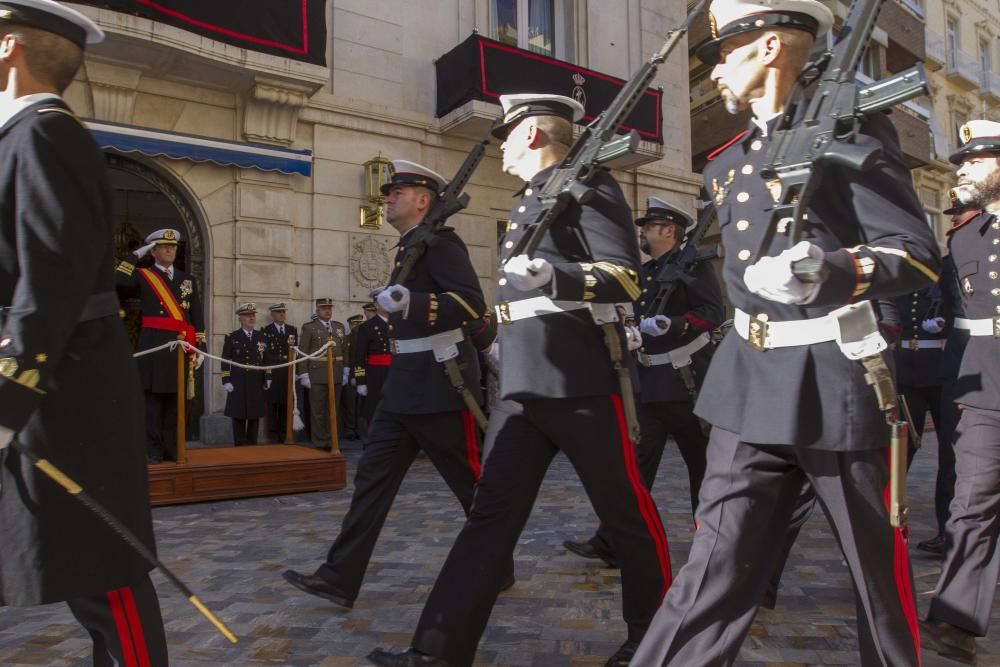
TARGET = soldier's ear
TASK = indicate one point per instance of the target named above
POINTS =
(7, 45)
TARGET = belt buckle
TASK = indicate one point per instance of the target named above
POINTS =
(996, 326)
(913, 344)
(394, 346)
(503, 309)
(644, 360)
(757, 333)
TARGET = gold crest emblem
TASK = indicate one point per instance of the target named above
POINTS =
(713, 27)
(169, 235)
(966, 133)
(8, 367)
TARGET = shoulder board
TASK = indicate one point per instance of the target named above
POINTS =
(64, 112)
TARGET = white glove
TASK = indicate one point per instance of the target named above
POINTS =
(362, 390)
(655, 326)
(199, 359)
(347, 374)
(144, 250)
(633, 337)
(395, 299)
(934, 325)
(267, 385)
(6, 435)
(304, 380)
(772, 277)
(527, 274)
(228, 387)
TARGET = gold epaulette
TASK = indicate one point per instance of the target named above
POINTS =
(125, 267)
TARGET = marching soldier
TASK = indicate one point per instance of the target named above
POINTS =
(675, 353)
(245, 389)
(315, 334)
(68, 386)
(786, 404)
(962, 602)
(279, 334)
(372, 361)
(170, 307)
(559, 392)
(420, 409)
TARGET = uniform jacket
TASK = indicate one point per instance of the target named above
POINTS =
(595, 257)
(975, 251)
(444, 295)
(277, 353)
(158, 372)
(68, 389)
(314, 336)
(372, 338)
(693, 310)
(877, 245)
(917, 367)
(246, 401)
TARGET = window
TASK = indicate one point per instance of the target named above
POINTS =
(985, 61)
(541, 26)
(951, 39)
(870, 64)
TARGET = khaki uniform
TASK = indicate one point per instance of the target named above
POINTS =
(314, 335)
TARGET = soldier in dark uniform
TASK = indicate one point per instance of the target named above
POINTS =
(349, 399)
(673, 358)
(313, 374)
(372, 360)
(962, 602)
(245, 389)
(279, 335)
(170, 308)
(558, 392)
(68, 386)
(419, 409)
(787, 406)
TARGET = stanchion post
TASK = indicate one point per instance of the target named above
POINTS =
(332, 399)
(290, 405)
(181, 404)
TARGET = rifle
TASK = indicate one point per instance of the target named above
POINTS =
(829, 131)
(680, 267)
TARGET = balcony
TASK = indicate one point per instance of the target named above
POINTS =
(991, 85)
(962, 70)
(905, 32)
(936, 53)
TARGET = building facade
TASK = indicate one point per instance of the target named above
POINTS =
(200, 134)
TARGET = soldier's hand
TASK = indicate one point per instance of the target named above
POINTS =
(6, 435)
(347, 374)
(228, 387)
(199, 359)
(362, 390)
(772, 278)
(655, 326)
(267, 385)
(304, 380)
(394, 298)
(144, 250)
(527, 274)
(633, 337)
(934, 325)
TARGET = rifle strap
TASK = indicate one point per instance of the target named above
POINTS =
(614, 343)
(458, 382)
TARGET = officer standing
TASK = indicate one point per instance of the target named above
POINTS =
(350, 401)
(170, 307)
(278, 334)
(786, 404)
(962, 602)
(245, 389)
(372, 361)
(674, 356)
(420, 409)
(68, 386)
(559, 392)
(315, 335)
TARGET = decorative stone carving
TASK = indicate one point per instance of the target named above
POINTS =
(272, 111)
(371, 263)
(112, 90)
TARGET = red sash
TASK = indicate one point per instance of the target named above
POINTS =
(379, 359)
(176, 322)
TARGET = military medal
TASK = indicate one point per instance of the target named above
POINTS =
(967, 286)
(721, 191)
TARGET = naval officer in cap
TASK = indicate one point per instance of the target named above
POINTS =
(245, 389)
(429, 314)
(68, 386)
(786, 404)
(279, 335)
(558, 392)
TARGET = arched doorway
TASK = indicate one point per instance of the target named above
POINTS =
(143, 201)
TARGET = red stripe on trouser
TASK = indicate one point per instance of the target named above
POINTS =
(471, 446)
(138, 638)
(121, 626)
(904, 585)
(644, 500)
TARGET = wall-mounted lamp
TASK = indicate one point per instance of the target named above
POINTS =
(378, 172)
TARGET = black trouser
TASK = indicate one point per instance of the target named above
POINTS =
(245, 431)
(125, 626)
(922, 400)
(968, 583)
(804, 506)
(944, 484)
(747, 499)
(450, 440)
(161, 425)
(277, 421)
(348, 410)
(521, 441)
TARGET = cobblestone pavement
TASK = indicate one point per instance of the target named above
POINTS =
(563, 611)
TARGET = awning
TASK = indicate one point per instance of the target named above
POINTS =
(155, 143)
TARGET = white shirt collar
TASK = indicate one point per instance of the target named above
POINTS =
(762, 122)
(22, 103)
(385, 318)
(169, 270)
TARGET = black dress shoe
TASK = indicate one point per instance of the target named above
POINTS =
(948, 641)
(408, 658)
(623, 656)
(587, 550)
(508, 583)
(937, 545)
(314, 585)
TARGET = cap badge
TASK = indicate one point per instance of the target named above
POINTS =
(168, 235)
(966, 133)
(713, 27)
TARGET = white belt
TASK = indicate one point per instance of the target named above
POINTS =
(989, 326)
(679, 357)
(786, 334)
(922, 344)
(444, 345)
(512, 311)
